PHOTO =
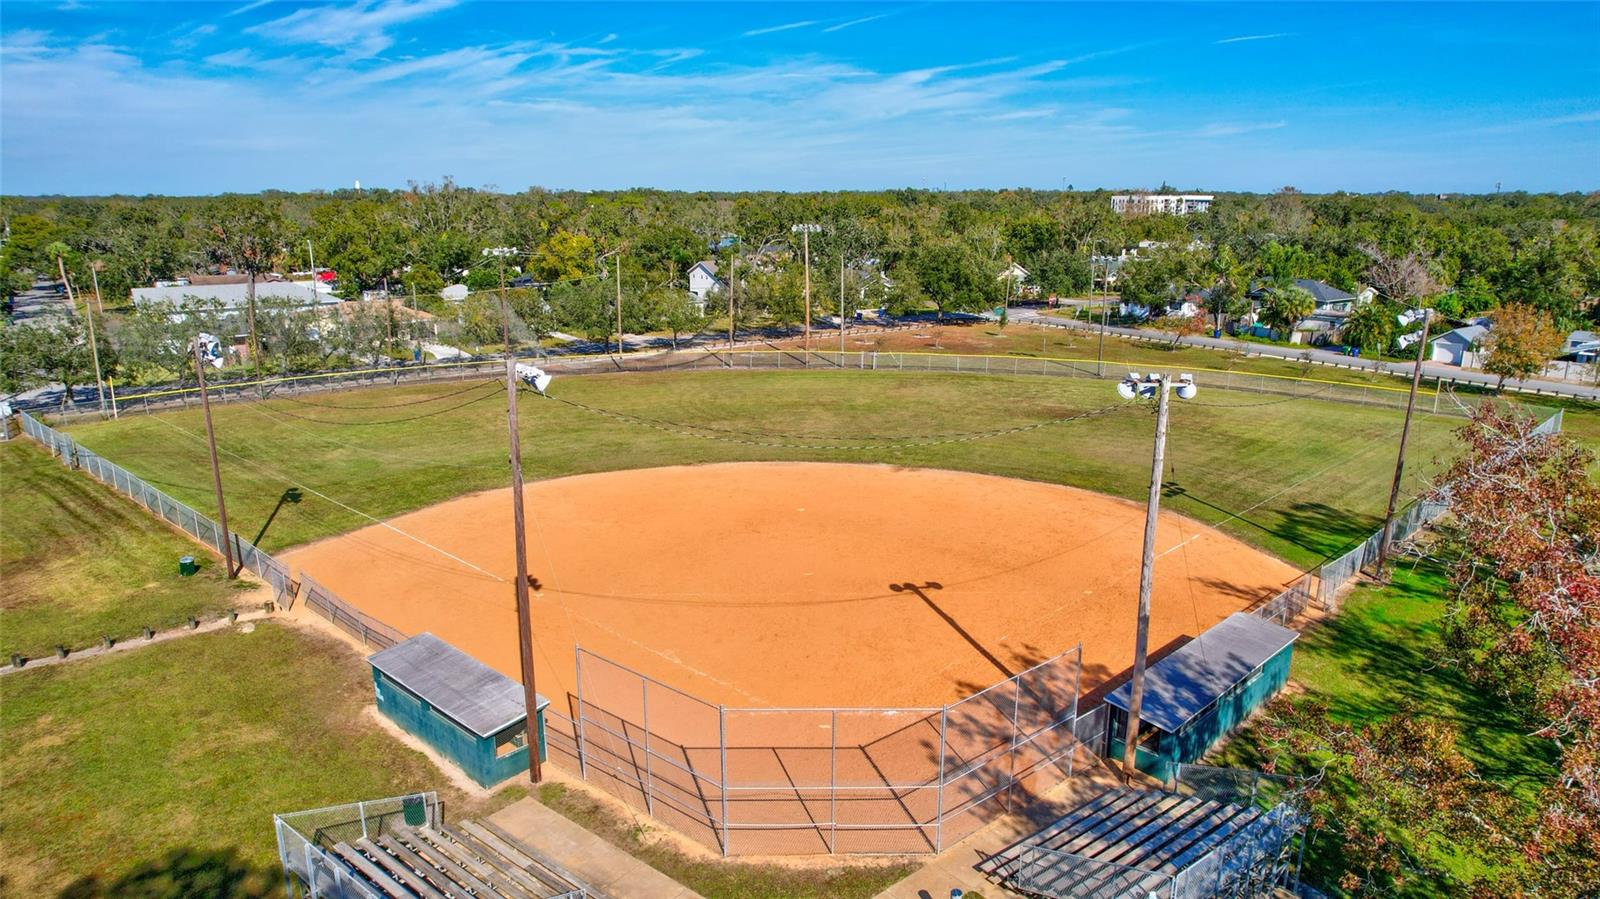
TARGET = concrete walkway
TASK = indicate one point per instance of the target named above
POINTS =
(610, 871)
(953, 868)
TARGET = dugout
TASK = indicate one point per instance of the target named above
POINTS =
(467, 711)
(1202, 692)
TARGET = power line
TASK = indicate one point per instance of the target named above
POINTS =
(392, 421)
(417, 402)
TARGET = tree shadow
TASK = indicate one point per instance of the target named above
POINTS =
(181, 874)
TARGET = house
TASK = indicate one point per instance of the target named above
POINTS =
(234, 296)
(1161, 204)
(1460, 346)
(466, 711)
(1582, 346)
(1325, 296)
(1016, 278)
(455, 292)
(703, 280)
(1202, 692)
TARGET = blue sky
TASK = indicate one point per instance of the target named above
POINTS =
(201, 98)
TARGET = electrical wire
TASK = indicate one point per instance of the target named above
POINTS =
(494, 391)
(417, 402)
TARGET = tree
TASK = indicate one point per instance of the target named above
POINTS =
(1524, 614)
(1284, 306)
(1181, 326)
(584, 308)
(1404, 279)
(61, 352)
(1522, 341)
(954, 278)
(1228, 280)
(680, 312)
(565, 256)
(1372, 326)
(1060, 273)
(248, 233)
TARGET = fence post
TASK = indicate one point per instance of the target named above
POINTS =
(583, 750)
(722, 750)
(361, 809)
(833, 780)
(938, 825)
(649, 779)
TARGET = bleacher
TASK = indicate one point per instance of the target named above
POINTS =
(462, 860)
(1139, 843)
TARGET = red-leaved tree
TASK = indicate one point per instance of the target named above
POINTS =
(1524, 615)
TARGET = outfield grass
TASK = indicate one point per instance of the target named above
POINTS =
(1301, 479)
(81, 561)
(157, 772)
(1384, 649)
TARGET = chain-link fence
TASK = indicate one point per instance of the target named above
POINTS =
(370, 631)
(306, 839)
(766, 781)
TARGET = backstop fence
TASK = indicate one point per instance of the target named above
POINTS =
(307, 839)
(773, 781)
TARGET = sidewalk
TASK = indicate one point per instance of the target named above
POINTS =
(953, 868)
(608, 870)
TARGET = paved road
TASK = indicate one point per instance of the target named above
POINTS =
(1429, 369)
(40, 305)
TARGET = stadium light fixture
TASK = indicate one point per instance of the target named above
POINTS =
(534, 377)
(1136, 387)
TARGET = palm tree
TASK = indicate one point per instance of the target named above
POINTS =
(1284, 307)
(1371, 327)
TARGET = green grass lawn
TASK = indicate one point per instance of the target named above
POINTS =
(157, 772)
(1383, 649)
(1301, 479)
(81, 560)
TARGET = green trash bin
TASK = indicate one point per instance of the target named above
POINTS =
(416, 811)
(187, 566)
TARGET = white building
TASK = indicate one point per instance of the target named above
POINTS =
(235, 296)
(703, 280)
(1161, 204)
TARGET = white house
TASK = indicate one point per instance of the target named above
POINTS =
(235, 296)
(1582, 346)
(1017, 279)
(703, 280)
(1460, 346)
(455, 292)
(1161, 204)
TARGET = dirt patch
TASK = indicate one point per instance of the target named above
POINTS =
(769, 584)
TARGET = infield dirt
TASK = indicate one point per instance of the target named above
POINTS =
(769, 584)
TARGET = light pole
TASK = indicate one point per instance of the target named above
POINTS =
(1133, 387)
(805, 232)
(538, 380)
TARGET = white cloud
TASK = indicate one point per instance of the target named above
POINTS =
(239, 10)
(777, 28)
(854, 22)
(1229, 129)
(361, 30)
(1254, 37)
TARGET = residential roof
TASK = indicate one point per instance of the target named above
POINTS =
(458, 686)
(233, 296)
(1579, 337)
(1184, 683)
(1468, 335)
(710, 265)
(1321, 292)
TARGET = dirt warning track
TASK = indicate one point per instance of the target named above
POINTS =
(770, 584)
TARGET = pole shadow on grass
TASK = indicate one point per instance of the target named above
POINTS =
(186, 871)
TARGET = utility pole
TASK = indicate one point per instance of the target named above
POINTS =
(505, 304)
(841, 309)
(1130, 741)
(619, 302)
(805, 240)
(1400, 461)
(226, 537)
(530, 698)
(733, 279)
(416, 342)
(99, 303)
(94, 345)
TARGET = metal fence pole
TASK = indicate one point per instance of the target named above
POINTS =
(722, 749)
(833, 780)
(938, 825)
(583, 748)
(649, 780)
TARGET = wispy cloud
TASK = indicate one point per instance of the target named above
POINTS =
(608, 38)
(1254, 37)
(854, 22)
(777, 28)
(361, 30)
(240, 10)
(1229, 129)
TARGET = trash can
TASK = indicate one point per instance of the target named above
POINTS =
(187, 566)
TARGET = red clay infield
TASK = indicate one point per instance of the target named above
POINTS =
(768, 584)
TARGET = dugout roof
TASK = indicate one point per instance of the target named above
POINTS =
(458, 686)
(1183, 684)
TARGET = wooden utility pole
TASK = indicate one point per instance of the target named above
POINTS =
(226, 537)
(99, 303)
(94, 345)
(733, 262)
(1400, 461)
(505, 304)
(619, 302)
(530, 696)
(841, 310)
(1141, 643)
